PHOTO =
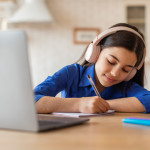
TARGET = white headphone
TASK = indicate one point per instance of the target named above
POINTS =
(93, 50)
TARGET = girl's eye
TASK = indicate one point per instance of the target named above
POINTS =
(113, 63)
(125, 71)
(110, 62)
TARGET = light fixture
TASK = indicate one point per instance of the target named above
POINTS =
(32, 11)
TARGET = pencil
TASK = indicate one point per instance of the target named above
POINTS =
(93, 85)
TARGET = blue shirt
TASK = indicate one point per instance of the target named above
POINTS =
(72, 81)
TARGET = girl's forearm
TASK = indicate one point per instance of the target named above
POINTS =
(56, 104)
(93, 104)
(130, 104)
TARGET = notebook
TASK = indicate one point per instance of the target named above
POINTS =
(77, 115)
(17, 108)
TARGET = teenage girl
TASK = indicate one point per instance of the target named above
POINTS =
(115, 62)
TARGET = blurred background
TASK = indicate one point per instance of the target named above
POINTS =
(58, 31)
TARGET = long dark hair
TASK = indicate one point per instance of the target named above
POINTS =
(127, 40)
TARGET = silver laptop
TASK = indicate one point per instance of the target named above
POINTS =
(17, 107)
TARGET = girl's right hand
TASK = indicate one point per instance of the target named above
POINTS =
(94, 104)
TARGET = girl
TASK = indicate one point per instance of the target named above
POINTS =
(115, 62)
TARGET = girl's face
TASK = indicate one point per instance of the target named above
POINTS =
(113, 66)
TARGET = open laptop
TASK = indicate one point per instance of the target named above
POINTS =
(17, 108)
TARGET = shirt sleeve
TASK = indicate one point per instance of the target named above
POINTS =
(141, 94)
(52, 84)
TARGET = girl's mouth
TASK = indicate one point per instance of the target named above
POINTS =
(109, 79)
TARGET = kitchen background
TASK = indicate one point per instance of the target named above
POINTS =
(51, 44)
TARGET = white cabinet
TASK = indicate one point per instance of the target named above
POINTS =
(138, 14)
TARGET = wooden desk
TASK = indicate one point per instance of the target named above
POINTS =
(100, 133)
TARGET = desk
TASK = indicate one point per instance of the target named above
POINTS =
(100, 133)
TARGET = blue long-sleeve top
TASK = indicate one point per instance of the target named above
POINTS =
(72, 81)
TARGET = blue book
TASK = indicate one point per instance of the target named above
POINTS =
(139, 121)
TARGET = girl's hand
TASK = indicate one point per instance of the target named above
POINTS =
(94, 104)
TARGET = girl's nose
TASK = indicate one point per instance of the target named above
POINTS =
(115, 72)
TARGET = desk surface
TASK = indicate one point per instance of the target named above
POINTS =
(100, 133)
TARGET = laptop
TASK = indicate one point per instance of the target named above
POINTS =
(17, 106)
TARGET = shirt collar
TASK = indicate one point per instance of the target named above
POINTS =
(84, 80)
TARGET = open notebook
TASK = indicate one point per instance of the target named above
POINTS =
(76, 115)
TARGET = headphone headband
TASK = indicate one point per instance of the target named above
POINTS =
(114, 30)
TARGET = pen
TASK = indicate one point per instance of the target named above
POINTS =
(139, 121)
(93, 85)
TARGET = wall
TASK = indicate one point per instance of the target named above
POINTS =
(51, 45)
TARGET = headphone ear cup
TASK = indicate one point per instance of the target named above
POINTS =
(92, 53)
(131, 75)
